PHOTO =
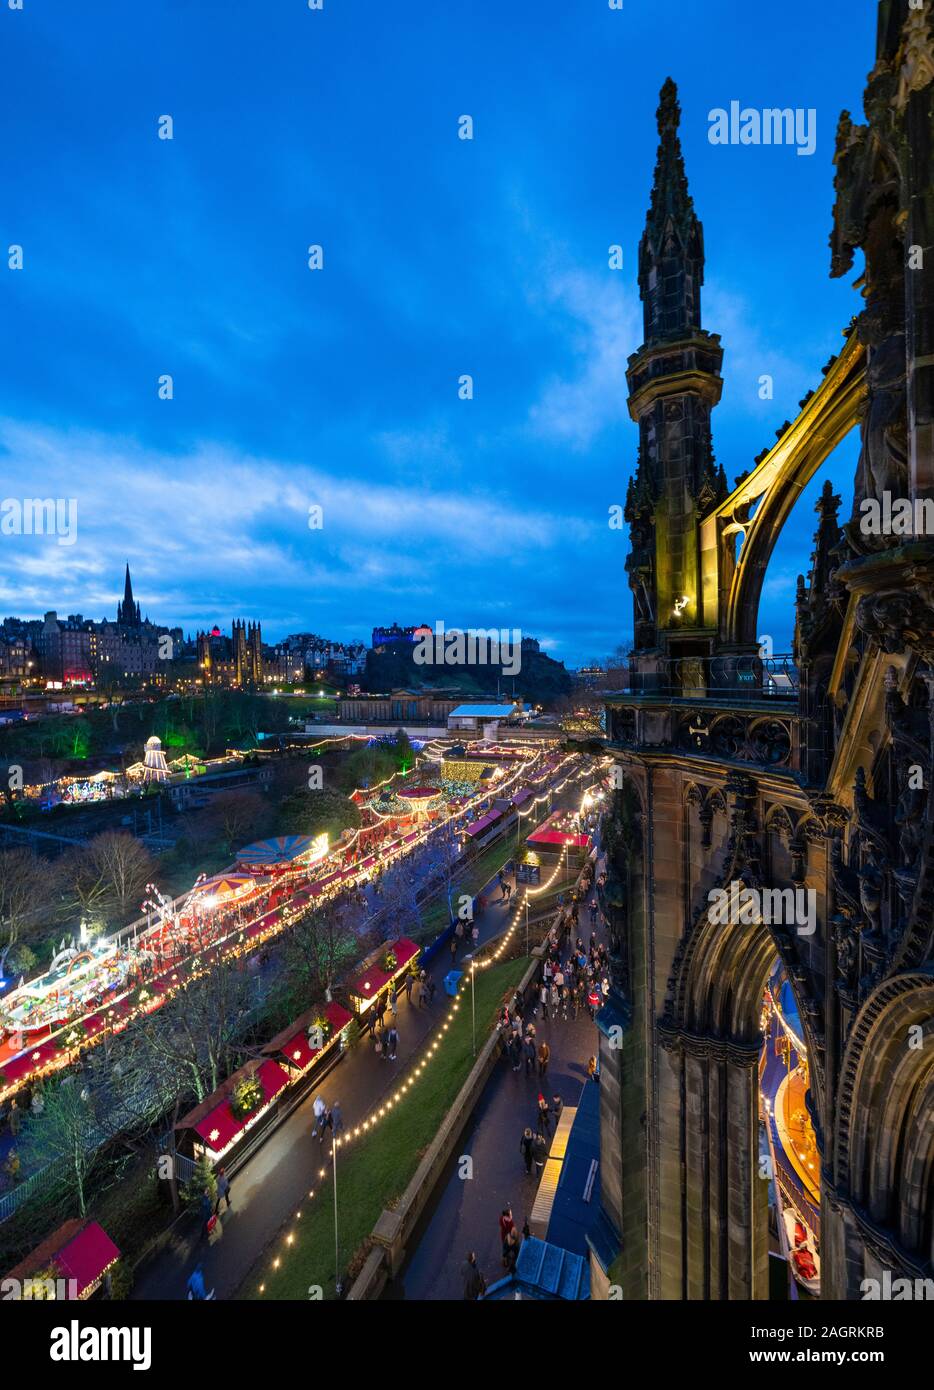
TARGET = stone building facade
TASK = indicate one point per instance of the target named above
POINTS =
(811, 774)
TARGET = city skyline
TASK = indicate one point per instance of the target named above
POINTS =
(339, 389)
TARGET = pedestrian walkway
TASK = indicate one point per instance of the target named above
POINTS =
(466, 1213)
(276, 1180)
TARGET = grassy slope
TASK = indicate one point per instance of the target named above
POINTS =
(374, 1171)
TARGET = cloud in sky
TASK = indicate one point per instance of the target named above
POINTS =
(602, 317)
(442, 257)
(235, 530)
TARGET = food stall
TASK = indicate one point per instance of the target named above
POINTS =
(218, 1127)
(387, 967)
(71, 1264)
(312, 1036)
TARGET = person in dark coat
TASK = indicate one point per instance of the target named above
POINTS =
(473, 1280)
(527, 1149)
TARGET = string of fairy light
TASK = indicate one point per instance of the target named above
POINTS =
(381, 1112)
(229, 947)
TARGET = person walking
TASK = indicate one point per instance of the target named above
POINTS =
(223, 1190)
(195, 1286)
(592, 1070)
(393, 999)
(506, 1224)
(515, 1051)
(557, 1105)
(527, 1149)
(473, 1280)
(409, 984)
(207, 1213)
(511, 1251)
(337, 1119)
(544, 1001)
(530, 1056)
(544, 1055)
(544, 1116)
(392, 1042)
(320, 1108)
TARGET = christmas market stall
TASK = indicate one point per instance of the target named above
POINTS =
(387, 967)
(70, 1264)
(219, 1127)
(560, 832)
(314, 1035)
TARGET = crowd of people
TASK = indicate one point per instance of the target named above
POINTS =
(574, 976)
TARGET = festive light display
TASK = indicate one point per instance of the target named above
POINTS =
(429, 1054)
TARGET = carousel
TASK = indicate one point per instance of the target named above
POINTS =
(418, 802)
(283, 854)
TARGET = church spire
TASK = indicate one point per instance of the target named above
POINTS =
(128, 612)
(671, 252)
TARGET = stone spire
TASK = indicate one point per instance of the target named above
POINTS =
(671, 252)
(128, 612)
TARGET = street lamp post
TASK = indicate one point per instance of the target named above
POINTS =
(473, 1004)
(338, 1286)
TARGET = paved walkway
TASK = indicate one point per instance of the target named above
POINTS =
(276, 1180)
(466, 1214)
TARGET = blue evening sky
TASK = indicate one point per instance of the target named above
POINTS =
(338, 388)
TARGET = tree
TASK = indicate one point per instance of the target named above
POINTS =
(28, 888)
(109, 874)
(307, 812)
(196, 1035)
(238, 815)
(316, 946)
(403, 750)
(63, 1132)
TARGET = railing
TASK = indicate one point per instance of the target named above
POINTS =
(740, 678)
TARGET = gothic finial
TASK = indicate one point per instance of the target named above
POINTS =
(669, 110)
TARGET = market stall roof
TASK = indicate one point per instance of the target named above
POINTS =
(558, 837)
(483, 711)
(87, 1256)
(81, 1250)
(293, 1042)
(483, 823)
(369, 984)
(214, 1120)
(281, 849)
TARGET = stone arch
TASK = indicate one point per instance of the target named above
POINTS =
(884, 1133)
(762, 503)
